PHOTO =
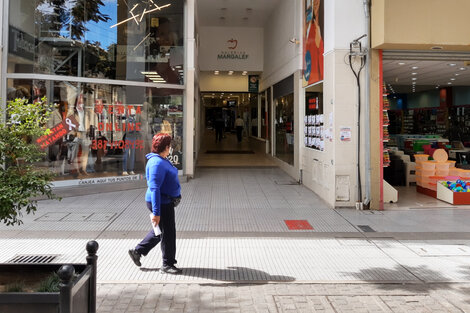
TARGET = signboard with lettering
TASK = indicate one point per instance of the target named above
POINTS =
(231, 48)
(21, 43)
(58, 131)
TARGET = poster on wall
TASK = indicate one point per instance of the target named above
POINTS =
(312, 42)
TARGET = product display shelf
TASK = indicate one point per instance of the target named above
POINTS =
(385, 124)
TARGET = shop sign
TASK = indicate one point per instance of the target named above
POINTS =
(20, 43)
(253, 83)
(58, 131)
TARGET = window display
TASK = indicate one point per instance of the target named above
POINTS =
(314, 131)
(103, 130)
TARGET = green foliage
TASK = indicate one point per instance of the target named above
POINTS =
(50, 284)
(20, 180)
(17, 286)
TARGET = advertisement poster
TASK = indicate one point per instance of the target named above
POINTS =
(345, 133)
(312, 42)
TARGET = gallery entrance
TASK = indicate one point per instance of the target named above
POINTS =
(234, 130)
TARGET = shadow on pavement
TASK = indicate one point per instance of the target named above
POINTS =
(422, 279)
(231, 274)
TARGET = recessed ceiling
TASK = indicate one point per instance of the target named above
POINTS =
(235, 13)
(426, 74)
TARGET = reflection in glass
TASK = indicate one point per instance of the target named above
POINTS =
(285, 128)
(112, 39)
(108, 128)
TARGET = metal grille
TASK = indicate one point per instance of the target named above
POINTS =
(366, 228)
(32, 259)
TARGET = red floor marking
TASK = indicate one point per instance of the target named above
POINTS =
(298, 224)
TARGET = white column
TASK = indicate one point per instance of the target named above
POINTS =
(188, 107)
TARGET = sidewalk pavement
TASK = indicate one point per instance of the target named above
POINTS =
(235, 248)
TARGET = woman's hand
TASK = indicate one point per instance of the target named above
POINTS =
(155, 220)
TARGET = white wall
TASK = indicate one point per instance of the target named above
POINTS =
(344, 21)
(281, 57)
(215, 41)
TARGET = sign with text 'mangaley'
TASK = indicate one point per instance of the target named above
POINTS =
(58, 131)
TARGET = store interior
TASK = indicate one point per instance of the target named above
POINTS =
(426, 107)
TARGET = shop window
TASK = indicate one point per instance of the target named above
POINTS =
(283, 95)
(314, 132)
(100, 130)
(285, 128)
(113, 39)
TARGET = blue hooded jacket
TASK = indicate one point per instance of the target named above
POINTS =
(162, 182)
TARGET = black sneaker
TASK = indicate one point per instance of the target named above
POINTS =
(135, 256)
(170, 269)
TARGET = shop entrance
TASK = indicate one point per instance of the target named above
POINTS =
(425, 107)
(235, 128)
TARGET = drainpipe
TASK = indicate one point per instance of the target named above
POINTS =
(367, 106)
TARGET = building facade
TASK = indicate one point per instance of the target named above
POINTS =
(116, 72)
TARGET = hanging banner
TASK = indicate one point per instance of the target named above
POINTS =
(253, 83)
(312, 42)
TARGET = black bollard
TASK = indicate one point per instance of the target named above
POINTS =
(91, 260)
(66, 273)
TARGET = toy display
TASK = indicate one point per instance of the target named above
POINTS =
(457, 186)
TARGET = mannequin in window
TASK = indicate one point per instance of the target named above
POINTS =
(55, 149)
(130, 137)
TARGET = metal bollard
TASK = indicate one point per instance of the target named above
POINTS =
(66, 273)
(91, 260)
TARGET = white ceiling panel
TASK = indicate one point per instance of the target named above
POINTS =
(429, 74)
(235, 13)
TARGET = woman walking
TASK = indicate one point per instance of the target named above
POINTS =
(163, 193)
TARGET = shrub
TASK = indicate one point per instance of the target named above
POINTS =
(20, 179)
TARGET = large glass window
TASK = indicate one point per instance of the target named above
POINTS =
(100, 130)
(283, 97)
(136, 40)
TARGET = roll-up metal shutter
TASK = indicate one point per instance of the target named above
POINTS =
(426, 55)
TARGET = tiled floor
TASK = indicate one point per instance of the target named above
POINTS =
(231, 227)
(410, 199)
(229, 143)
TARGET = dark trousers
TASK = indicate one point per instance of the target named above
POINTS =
(239, 133)
(167, 237)
(218, 134)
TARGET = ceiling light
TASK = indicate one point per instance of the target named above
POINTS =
(462, 68)
(452, 64)
(216, 72)
(414, 73)
(230, 72)
(414, 78)
(452, 79)
(414, 67)
(401, 63)
(449, 83)
(437, 87)
(456, 74)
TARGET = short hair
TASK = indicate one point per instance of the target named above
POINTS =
(160, 141)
